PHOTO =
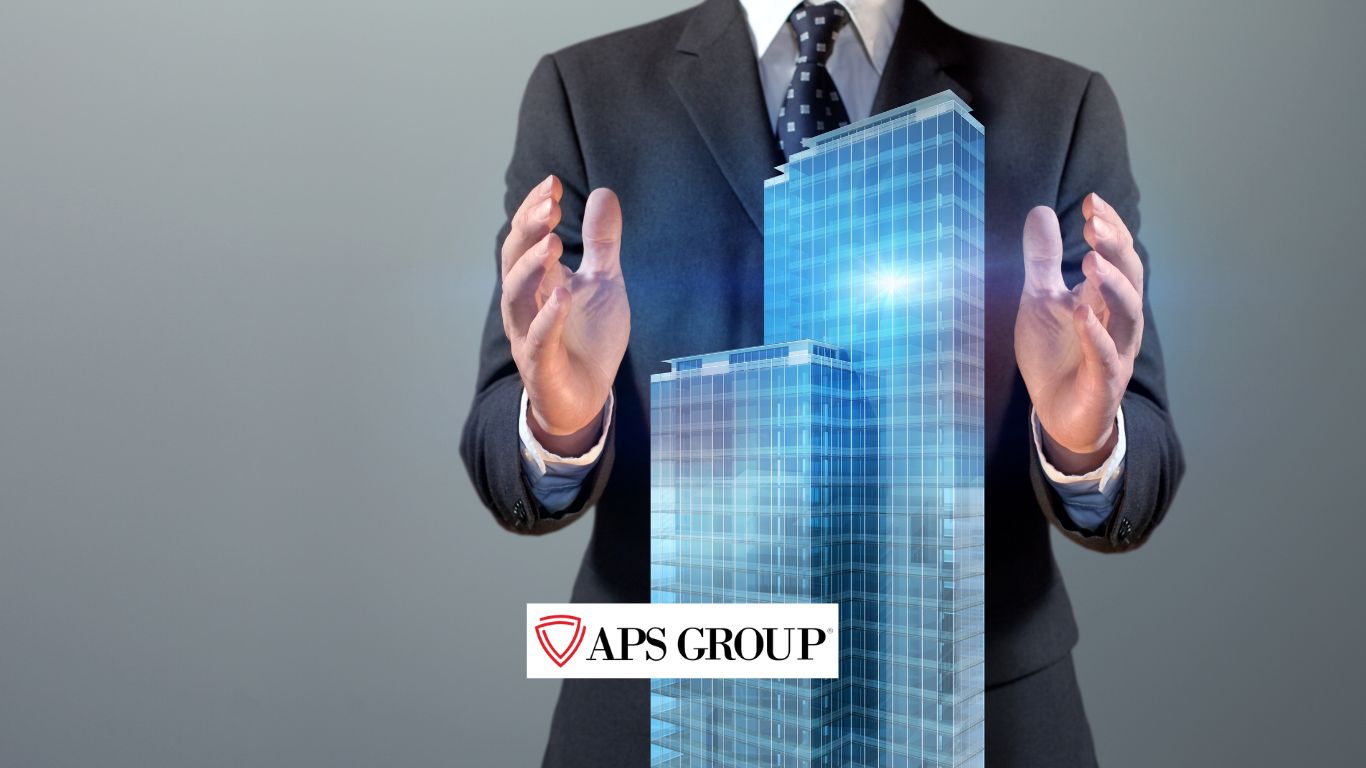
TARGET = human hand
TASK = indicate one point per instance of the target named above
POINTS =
(568, 329)
(1076, 348)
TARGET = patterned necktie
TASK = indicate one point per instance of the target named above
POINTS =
(812, 105)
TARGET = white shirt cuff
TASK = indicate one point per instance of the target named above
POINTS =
(555, 480)
(1091, 498)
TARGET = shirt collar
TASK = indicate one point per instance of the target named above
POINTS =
(874, 20)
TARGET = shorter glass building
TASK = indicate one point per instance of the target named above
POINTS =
(751, 455)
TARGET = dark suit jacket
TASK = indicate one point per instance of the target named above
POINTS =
(670, 115)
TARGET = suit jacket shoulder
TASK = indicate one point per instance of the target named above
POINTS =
(627, 55)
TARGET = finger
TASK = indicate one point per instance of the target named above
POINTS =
(523, 282)
(1097, 348)
(547, 328)
(1107, 233)
(1088, 292)
(602, 232)
(1043, 252)
(536, 217)
(1125, 305)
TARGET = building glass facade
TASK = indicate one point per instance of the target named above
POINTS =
(749, 451)
(873, 243)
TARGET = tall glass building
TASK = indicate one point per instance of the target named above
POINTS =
(873, 244)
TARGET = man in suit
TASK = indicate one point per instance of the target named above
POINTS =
(634, 235)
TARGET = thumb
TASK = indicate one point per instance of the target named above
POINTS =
(602, 232)
(1043, 251)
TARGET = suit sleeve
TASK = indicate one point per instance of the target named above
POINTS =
(490, 446)
(1098, 160)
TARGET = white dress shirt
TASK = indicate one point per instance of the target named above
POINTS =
(856, 69)
(855, 64)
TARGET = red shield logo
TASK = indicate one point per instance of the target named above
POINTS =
(576, 632)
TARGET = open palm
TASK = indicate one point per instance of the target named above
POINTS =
(1076, 348)
(568, 328)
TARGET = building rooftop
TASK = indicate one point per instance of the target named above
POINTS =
(921, 109)
(801, 351)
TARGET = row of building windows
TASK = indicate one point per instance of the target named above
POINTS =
(755, 355)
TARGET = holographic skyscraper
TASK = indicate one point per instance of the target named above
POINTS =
(846, 467)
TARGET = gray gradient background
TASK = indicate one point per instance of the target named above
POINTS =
(245, 249)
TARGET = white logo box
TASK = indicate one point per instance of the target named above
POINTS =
(764, 640)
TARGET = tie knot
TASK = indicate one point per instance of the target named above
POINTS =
(816, 26)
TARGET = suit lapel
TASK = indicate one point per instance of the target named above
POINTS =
(921, 58)
(716, 75)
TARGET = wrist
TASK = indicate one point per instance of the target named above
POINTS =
(571, 444)
(1083, 460)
